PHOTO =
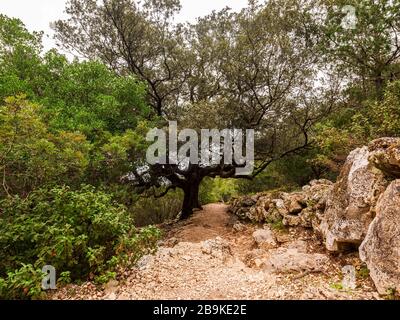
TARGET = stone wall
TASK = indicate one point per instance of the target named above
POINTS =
(360, 211)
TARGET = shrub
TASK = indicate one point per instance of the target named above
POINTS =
(22, 283)
(149, 210)
(217, 190)
(83, 234)
(31, 156)
(381, 119)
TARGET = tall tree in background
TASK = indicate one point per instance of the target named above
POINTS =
(369, 50)
(255, 69)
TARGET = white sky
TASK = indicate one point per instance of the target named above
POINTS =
(37, 14)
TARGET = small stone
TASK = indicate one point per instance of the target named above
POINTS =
(282, 237)
(111, 286)
(239, 227)
(111, 296)
(259, 263)
(187, 258)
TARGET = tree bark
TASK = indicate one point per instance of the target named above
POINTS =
(191, 199)
(379, 87)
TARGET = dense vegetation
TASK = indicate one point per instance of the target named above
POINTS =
(63, 126)
(73, 132)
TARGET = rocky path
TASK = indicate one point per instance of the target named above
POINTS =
(212, 256)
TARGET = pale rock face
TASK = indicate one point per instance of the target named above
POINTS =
(299, 245)
(350, 206)
(295, 260)
(253, 258)
(264, 238)
(381, 247)
(386, 155)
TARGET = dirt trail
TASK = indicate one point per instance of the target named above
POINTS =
(191, 264)
(213, 221)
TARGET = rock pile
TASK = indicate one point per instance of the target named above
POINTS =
(360, 211)
(303, 208)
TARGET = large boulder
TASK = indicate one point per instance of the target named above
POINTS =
(381, 247)
(350, 207)
(386, 155)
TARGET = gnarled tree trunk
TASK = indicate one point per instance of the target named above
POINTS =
(191, 198)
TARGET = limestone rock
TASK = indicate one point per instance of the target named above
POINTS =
(280, 206)
(299, 245)
(319, 182)
(386, 155)
(295, 209)
(256, 214)
(308, 217)
(252, 258)
(242, 213)
(282, 237)
(292, 260)
(292, 221)
(264, 238)
(381, 247)
(239, 227)
(217, 248)
(145, 261)
(350, 207)
(294, 202)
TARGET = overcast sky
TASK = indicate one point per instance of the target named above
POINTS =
(37, 14)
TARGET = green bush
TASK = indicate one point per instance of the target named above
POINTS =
(31, 156)
(279, 175)
(149, 210)
(379, 118)
(217, 190)
(22, 283)
(83, 234)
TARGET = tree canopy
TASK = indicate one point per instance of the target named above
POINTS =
(255, 69)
